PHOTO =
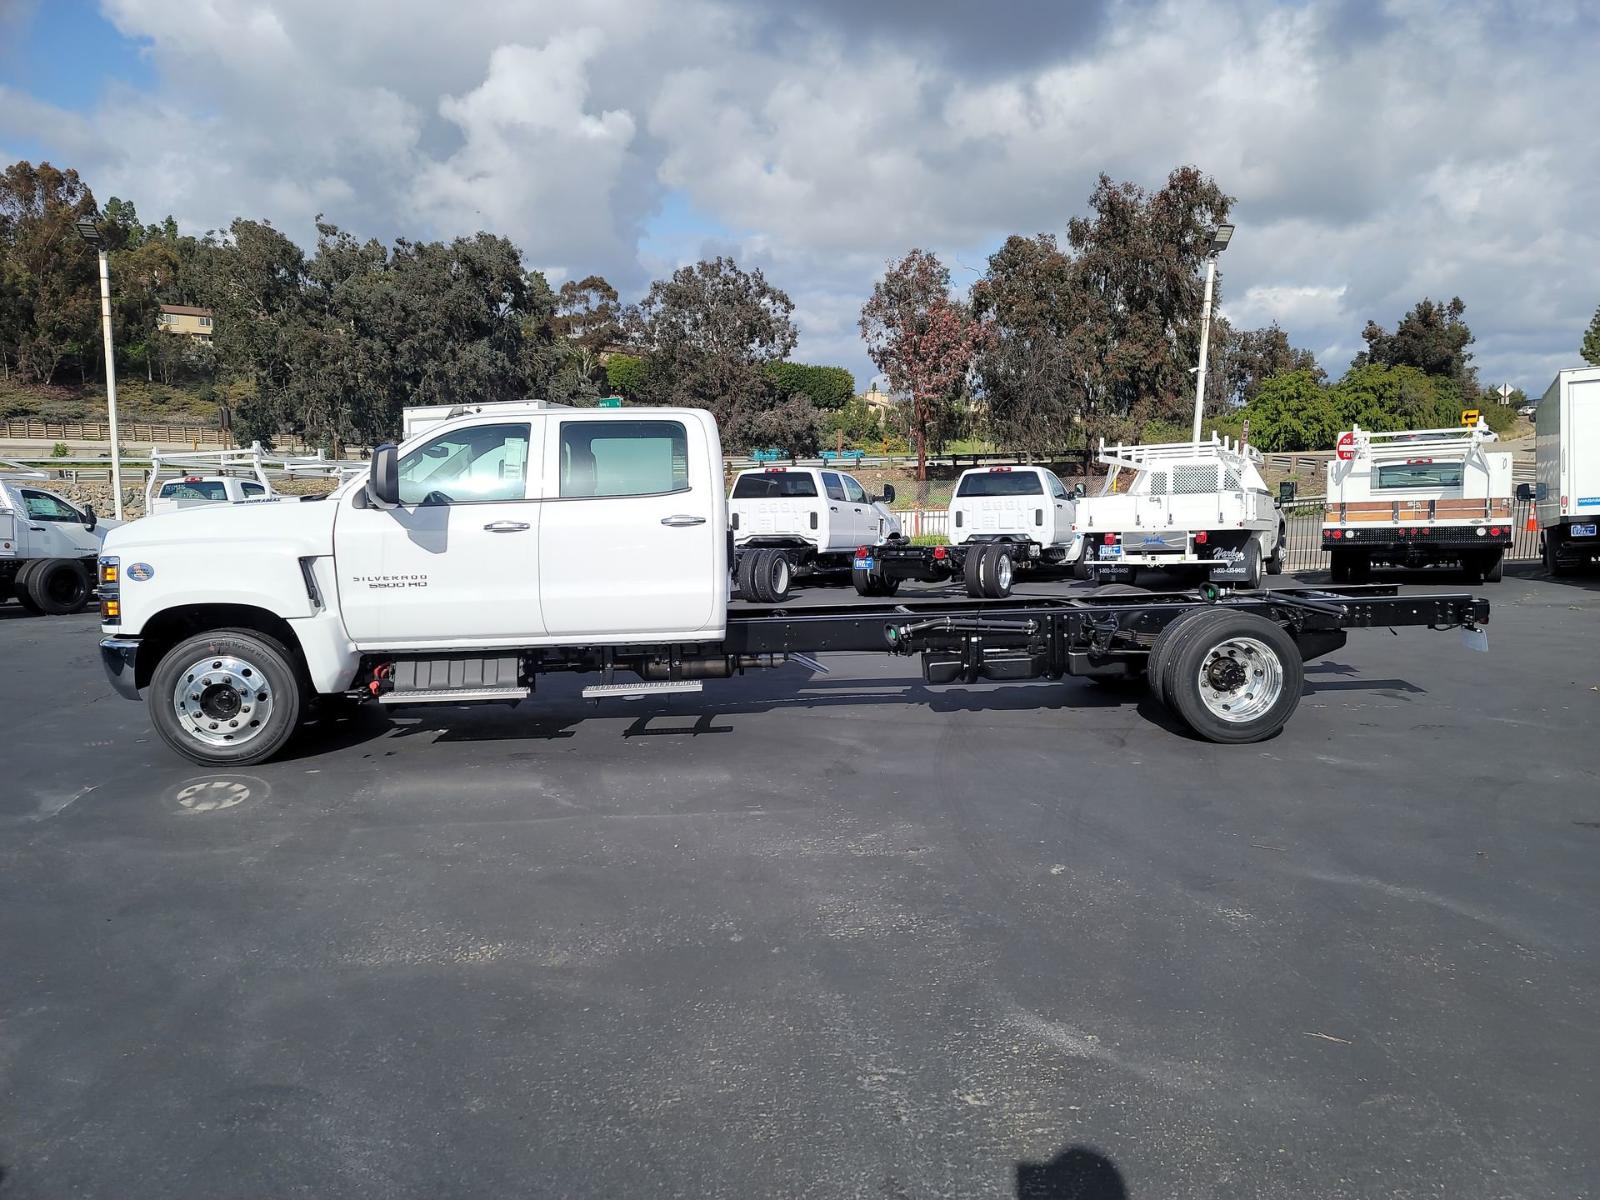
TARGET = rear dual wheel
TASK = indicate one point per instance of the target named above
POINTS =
(765, 576)
(873, 582)
(990, 571)
(53, 586)
(1232, 677)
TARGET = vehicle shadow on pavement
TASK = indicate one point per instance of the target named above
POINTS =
(558, 717)
(1077, 1173)
(1315, 684)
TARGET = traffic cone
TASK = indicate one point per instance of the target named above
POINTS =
(1532, 524)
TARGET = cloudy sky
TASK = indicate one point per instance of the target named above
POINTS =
(1379, 151)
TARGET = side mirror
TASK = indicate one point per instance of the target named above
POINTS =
(1525, 491)
(1286, 491)
(90, 520)
(384, 483)
(888, 493)
(1079, 490)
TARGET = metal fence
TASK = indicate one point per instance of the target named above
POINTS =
(1303, 527)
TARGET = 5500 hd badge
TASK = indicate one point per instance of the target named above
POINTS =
(392, 581)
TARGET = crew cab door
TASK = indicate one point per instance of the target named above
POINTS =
(632, 531)
(456, 562)
(841, 527)
(863, 516)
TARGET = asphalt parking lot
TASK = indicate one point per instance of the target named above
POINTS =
(810, 935)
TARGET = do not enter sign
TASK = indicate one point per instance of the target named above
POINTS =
(1347, 446)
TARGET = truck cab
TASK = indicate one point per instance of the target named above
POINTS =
(789, 523)
(187, 491)
(48, 545)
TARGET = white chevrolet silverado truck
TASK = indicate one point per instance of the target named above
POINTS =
(493, 548)
(792, 522)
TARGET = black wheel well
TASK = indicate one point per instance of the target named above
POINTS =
(167, 628)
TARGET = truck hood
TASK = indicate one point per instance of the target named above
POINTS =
(303, 527)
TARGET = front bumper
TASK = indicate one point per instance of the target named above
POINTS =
(119, 656)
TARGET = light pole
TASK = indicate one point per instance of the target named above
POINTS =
(89, 231)
(1219, 242)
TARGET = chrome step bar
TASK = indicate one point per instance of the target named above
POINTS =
(453, 695)
(603, 691)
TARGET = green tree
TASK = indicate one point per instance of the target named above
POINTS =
(625, 375)
(52, 298)
(1384, 398)
(1591, 341)
(1432, 338)
(1293, 410)
(826, 387)
(708, 332)
(1254, 356)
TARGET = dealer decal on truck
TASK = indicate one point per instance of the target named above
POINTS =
(392, 581)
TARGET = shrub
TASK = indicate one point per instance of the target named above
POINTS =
(60, 450)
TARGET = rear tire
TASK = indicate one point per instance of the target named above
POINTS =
(972, 570)
(772, 576)
(999, 571)
(1495, 570)
(1161, 651)
(1339, 566)
(746, 575)
(20, 586)
(862, 580)
(1252, 565)
(58, 586)
(1234, 677)
(229, 697)
(1275, 563)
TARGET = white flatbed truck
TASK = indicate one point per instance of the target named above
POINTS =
(492, 549)
(1566, 452)
(48, 545)
(1196, 507)
(789, 523)
(1416, 498)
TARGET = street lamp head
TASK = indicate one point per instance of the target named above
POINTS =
(1220, 237)
(89, 231)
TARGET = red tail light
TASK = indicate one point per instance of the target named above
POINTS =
(862, 552)
(940, 552)
(1494, 532)
(1201, 538)
(1111, 539)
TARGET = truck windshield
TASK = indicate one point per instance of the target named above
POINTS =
(202, 489)
(1001, 483)
(772, 487)
(1420, 475)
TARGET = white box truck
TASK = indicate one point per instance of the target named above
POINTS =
(1567, 471)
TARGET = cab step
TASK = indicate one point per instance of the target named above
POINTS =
(627, 691)
(454, 695)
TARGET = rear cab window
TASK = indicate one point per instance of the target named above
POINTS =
(198, 489)
(1420, 475)
(775, 485)
(1001, 483)
(600, 459)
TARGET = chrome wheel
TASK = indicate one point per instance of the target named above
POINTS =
(222, 700)
(1240, 679)
(1003, 573)
(780, 576)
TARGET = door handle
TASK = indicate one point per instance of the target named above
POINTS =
(679, 520)
(506, 526)
(833, 508)
(36, 528)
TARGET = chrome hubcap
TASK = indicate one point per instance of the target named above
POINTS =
(1002, 573)
(221, 700)
(1241, 679)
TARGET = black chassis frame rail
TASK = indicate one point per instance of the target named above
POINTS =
(1078, 636)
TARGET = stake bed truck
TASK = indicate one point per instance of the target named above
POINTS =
(1567, 469)
(493, 548)
(1417, 498)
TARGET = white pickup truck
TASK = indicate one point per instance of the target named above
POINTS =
(1199, 507)
(206, 477)
(792, 522)
(1002, 520)
(494, 548)
(48, 545)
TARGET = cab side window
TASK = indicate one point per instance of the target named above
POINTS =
(623, 458)
(1057, 488)
(853, 491)
(254, 489)
(42, 506)
(466, 466)
(832, 485)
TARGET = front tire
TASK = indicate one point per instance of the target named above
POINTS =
(230, 697)
(1275, 563)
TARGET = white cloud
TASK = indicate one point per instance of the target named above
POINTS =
(1379, 152)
